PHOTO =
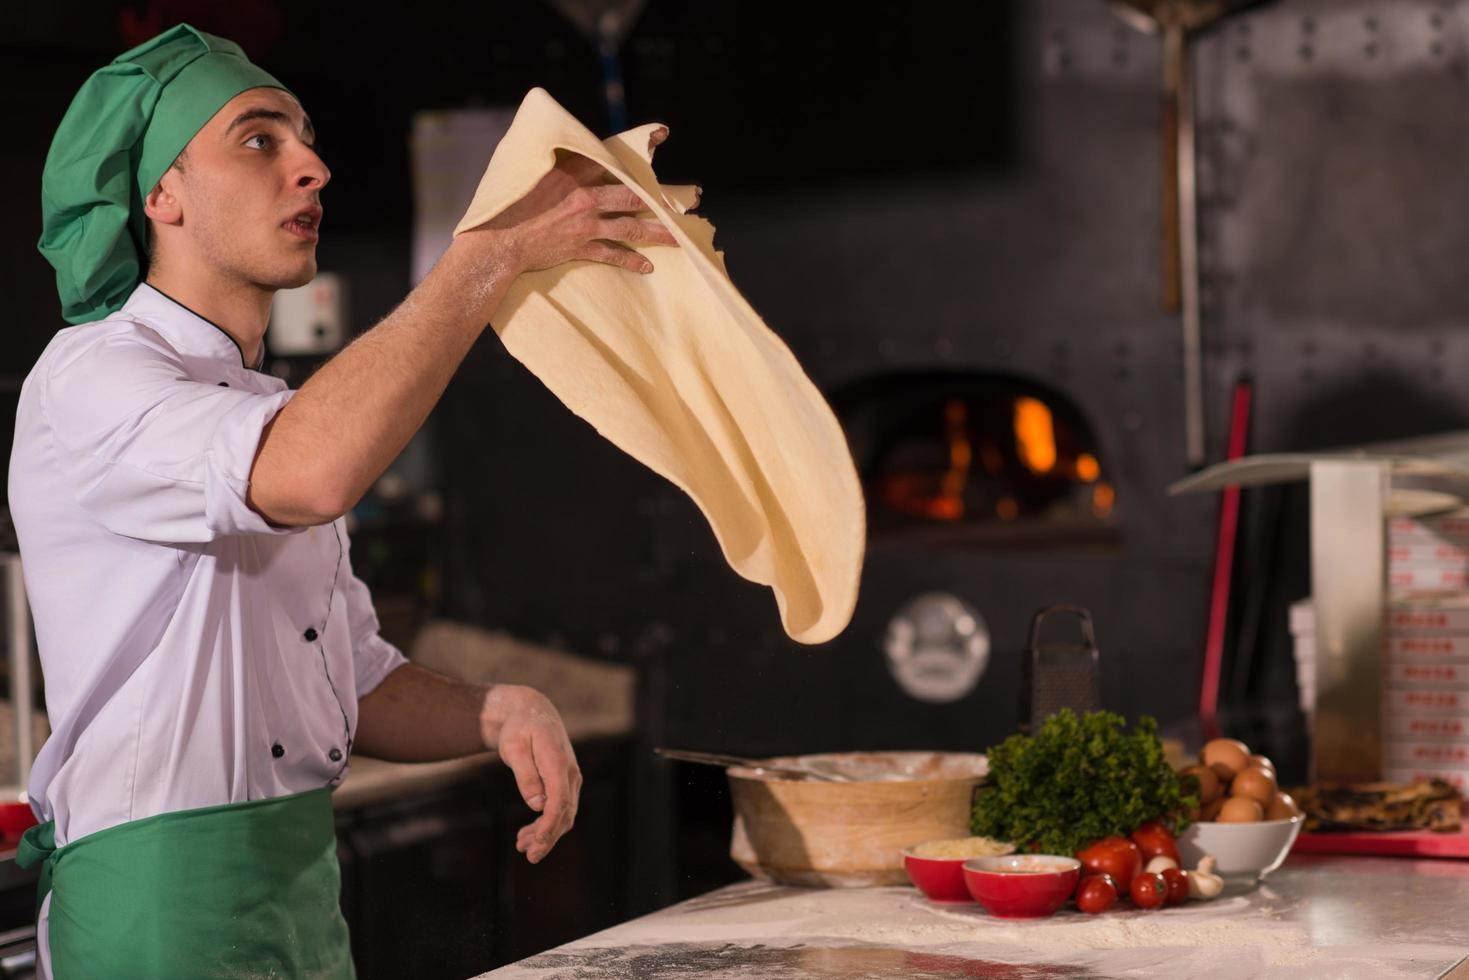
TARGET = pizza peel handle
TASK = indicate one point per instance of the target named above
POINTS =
(1060, 675)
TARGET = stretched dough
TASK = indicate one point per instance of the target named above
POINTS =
(679, 372)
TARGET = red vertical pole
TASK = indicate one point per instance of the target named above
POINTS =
(1239, 423)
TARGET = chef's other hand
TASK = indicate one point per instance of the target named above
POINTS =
(574, 214)
(527, 730)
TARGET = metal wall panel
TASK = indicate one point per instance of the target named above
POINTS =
(1331, 163)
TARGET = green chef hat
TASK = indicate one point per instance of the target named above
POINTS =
(126, 126)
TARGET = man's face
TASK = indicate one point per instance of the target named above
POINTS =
(249, 191)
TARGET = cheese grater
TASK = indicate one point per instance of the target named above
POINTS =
(1060, 675)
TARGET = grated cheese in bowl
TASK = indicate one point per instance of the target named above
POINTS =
(962, 848)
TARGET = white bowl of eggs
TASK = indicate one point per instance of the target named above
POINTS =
(1244, 820)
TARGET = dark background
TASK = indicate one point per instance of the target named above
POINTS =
(900, 188)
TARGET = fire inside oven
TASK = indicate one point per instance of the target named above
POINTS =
(994, 458)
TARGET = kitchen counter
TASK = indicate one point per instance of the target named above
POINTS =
(1318, 916)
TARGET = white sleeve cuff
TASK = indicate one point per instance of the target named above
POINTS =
(228, 462)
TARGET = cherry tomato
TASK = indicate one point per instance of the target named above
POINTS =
(1116, 856)
(1096, 894)
(1177, 883)
(1153, 839)
(1148, 890)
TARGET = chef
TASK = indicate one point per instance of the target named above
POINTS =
(211, 661)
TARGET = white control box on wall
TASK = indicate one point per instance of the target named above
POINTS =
(309, 320)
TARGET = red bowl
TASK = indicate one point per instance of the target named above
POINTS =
(15, 820)
(1022, 886)
(941, 879)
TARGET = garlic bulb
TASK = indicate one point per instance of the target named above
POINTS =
(1202, 881)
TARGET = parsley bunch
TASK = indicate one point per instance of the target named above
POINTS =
(1077, 780)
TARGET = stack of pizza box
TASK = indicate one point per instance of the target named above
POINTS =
(1425, 661)
(1428, 554)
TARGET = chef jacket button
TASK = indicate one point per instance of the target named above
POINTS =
(335, 755)
(224, 384)
(310, 634)
(277, 750)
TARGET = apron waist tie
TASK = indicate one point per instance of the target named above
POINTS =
(38, 846)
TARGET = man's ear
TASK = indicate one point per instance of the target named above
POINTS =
(162, 203)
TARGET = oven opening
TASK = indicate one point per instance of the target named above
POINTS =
(970, 458)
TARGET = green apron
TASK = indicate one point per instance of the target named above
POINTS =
(239, 890)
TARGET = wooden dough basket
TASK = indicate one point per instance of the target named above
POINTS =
(850, 834)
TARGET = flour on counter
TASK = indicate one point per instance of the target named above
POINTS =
(900, 917)
(1228, 922)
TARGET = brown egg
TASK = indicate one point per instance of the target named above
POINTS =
(1282, 807)
(1256, 783)
(1210, 811)
(1209, 786)
(1227, 756)
(1241, 809)
(1262, 761)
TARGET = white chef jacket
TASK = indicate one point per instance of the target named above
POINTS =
(193, 654)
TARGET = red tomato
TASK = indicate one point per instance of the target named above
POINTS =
(1116, 856)
(1148, 890)
(1177, 883)
(1096, 894)
(1153, 839)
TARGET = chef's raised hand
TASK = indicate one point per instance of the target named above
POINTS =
(573, 213)
(526, 729)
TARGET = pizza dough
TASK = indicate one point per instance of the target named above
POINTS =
(679, 372)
